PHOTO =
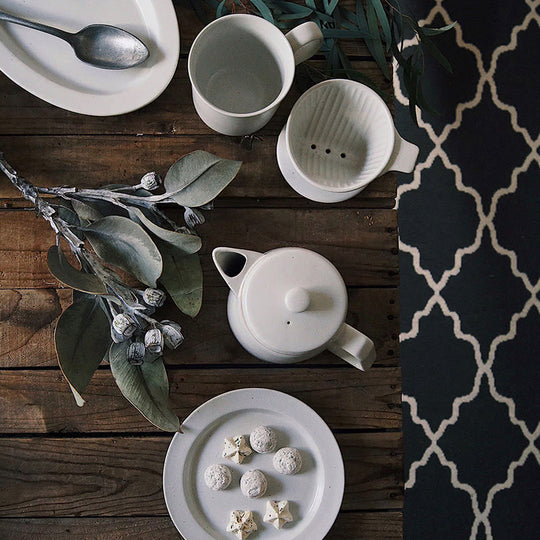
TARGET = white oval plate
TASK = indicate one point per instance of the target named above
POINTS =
(314, 494)
(48, 68)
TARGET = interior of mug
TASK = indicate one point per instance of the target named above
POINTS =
(241, 64)
(340, 134)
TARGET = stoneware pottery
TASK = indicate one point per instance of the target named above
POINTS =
(339, 137)
(314, 493)
(288, 305)
(241, 67)
(48, 68)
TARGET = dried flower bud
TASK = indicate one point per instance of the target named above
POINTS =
(193, 217)
(116, 337)
(136, 352)
(153, 341)
(172, 334)
(124, 325)
(154, 297)
(150, 181)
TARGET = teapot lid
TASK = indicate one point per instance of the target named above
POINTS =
(293, 300)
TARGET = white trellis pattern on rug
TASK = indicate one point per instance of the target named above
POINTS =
(486, 205)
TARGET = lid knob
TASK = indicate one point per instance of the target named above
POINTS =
(297, 300)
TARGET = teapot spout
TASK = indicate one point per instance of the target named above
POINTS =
(233, 265)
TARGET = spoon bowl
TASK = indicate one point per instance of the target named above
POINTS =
(100, 45)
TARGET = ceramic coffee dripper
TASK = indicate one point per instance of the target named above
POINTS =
(241, 67)
(288, 305)
(338, 138)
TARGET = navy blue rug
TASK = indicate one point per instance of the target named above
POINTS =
(470, 266)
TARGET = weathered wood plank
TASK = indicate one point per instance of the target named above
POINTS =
(40, 401)
(172, 113)
(122, 476)
(348, 526)
(28, 318)
(361, 243)
(94, 161)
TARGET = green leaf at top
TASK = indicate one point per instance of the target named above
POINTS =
(436, 31)
(60, 268)
(123, 243)
(187, 243)
(375, 44)
(146, 387)
(209, 184)
(264, 10)
(383, 19)
(182, 277)
(82, 338)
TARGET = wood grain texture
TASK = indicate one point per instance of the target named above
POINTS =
(122, 476)
(40, 401)
(86, 161)
(361, 243)
(28, 318)
(348, 526)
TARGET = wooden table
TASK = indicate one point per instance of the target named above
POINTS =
(95, 472)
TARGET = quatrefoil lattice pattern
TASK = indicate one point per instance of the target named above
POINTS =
(470, 268)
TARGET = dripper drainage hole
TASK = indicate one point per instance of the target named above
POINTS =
(288, 322)
(327, 150)
(313, 146)
(343, 155)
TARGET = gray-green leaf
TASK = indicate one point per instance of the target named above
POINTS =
(85, 211)
(182, 277)
(60, 268)
(146, 387)
(199, 177)
(187, 243)
(209, 184)
(123, 243)
(82, 338)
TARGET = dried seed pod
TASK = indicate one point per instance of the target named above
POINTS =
(172, 334)
(124, 325)
(153, 341)
(154, 297)
(193, 217)
(136, 352)
(150, 181)
(116, 337)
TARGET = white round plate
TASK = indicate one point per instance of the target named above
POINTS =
(314, 494)
(48, 68)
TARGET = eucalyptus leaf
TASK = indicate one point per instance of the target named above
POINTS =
(62, 270)
(187, 169)
(209, 184)
(383, 19)
(436, 31)
(86, 211)
(123, 243)
(375, 44)
(146, 387)
(182, 277)
(82, 338)
(187, 243)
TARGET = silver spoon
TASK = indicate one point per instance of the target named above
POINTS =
(101, 45)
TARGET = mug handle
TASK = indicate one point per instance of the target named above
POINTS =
(404, 155)
(353, 347)
(305, 40)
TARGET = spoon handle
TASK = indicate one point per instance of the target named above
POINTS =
(36, 26)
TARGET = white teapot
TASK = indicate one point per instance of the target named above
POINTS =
(288, 305)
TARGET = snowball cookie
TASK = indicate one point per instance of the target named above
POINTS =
(263, 440)
(288, 461)
(253, 484)
(217, 477)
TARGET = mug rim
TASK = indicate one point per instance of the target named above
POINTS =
(392, 134)
(285, 85)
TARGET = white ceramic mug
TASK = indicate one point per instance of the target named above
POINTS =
(241, 67)
(339, 137)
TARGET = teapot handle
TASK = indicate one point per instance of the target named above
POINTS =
(353, 347)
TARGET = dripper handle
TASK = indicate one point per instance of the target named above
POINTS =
(233, 264)
(305, 40)
(404, 155)
(353, 347)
